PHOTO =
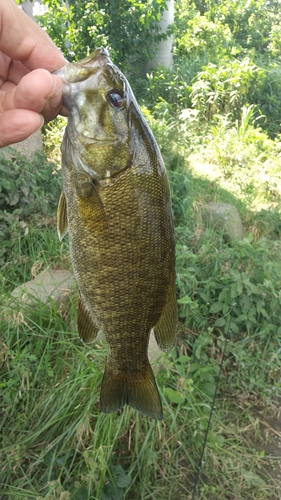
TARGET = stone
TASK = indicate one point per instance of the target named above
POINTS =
(52, 284)
(226, 217)
(28, 147)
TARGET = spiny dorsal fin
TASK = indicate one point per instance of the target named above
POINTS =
(86, 326)
(62, 222)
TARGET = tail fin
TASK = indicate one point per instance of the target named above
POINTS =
(138, 390)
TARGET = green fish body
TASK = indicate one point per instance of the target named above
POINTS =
(116, 207)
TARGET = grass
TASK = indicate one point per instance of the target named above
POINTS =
(55, 443)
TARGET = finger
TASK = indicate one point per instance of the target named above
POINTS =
(17, 125)
(22, 39)
(11, 70)
(37, 91)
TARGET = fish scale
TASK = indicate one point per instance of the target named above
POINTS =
(116, 207)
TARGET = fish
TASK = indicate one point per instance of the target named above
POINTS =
(116, 207)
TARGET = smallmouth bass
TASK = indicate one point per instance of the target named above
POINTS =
(116, 207)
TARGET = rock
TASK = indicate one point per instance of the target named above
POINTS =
(29, 146)
(51, 285)
(226, 217)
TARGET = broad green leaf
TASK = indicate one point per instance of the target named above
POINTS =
(173, 396)
(216, 307)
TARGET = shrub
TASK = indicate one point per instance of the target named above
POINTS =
(225, 89)
(27, 188)
(218, 283)
(204, 37)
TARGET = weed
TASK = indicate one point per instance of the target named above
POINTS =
(27, 188)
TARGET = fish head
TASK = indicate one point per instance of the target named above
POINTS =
(98, 96)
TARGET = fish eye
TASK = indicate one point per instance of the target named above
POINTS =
(115, 98)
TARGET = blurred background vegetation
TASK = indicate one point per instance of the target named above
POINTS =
(216, 115)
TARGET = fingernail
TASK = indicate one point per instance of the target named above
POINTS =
(42, 121)
(55, 99)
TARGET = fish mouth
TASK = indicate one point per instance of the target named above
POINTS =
(73, 75)
(80, 71)
(95, 61)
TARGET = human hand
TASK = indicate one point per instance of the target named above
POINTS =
(29, 94)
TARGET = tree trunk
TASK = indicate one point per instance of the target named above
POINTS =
(164, 54)
(27, 7)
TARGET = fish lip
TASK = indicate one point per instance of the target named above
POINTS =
(72, 73)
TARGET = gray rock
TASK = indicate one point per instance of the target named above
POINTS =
(49, 285)
(226, 217)
(28, 147)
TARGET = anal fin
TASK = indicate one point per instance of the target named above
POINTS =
(87, 328)
(165, 328)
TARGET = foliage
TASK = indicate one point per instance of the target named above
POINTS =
(238, 40)
(202, 36)
(217, 281)
(224, 89)
(31, 186)
(225, 52)
(243, 151)
(254, 24)
(129, 29)
(244, 279)
(266, 96)
(52, 135)
(170, 85)
(27, 187)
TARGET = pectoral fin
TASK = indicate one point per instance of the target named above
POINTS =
(87, 328)
(62, 222)
(91, 207)
(165, 328)
(98, 208)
